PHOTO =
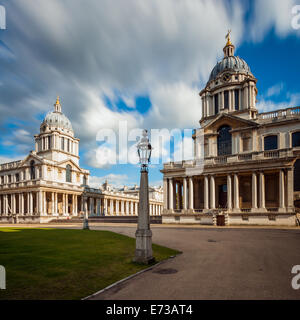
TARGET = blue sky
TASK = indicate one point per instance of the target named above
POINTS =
(143, 62)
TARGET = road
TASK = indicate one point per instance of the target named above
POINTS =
(216, 263)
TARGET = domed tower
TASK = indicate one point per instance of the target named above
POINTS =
(231, 88)
(56, 140)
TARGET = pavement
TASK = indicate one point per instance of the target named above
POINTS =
(216, 263)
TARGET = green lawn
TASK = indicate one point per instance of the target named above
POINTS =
(66, 264)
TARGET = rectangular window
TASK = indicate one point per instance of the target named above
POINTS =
(49, 142)
(271, 143)
(216, 103)
(68, 145)
(17, 177)
(226, 99)
(237, 99)
(62, 143)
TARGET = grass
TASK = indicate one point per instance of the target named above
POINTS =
(66, 264)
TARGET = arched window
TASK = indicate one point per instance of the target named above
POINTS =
(296, 139)
(68, 173)
(271, 143)
(224, 141)
(32, 170)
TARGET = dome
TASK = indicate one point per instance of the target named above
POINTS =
(230, 63)
(58, 120)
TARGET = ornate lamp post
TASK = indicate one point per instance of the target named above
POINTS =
(143, 235)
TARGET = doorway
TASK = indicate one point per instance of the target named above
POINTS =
(223, 196)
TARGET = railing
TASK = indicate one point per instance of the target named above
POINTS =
(10, 165)
(279, 114)
(245, 157)
(198, 210)
(271, 154)
(246, 210)
(222, 159)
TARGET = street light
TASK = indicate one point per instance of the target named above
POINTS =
(143, 235)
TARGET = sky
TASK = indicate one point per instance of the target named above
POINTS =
(137, 62)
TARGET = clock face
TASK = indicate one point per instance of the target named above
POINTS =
(226, 77)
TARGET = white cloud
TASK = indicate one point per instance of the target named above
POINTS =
(116, 180)
(275, 90)
(270, 14)
(4, 159)
(265, 105)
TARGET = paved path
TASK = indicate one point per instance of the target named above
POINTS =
(216, 263)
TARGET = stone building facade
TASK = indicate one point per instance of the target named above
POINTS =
(49, 183)
(246, 166)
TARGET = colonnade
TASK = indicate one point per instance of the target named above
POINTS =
(180, 193)
(246, 99)
(116, 207)
(39, 203)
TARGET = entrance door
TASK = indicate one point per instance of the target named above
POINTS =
(221, 220)
(223, 196)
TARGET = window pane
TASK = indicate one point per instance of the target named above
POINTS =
(216, 103)
(226, 100)
(296, 139)
(270, 143)
(236, 99)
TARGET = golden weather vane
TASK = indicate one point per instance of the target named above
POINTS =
(228, 37)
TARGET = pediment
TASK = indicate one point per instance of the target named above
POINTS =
(70, 162)
(29, 158)
(226, 119)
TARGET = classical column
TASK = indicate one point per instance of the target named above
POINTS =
(191, 193)
(63, 204)
(122, 208)
(111, 204)
(236, 192)
(131, 208)
(254, 191)
(55, 203)
(91, 206)
(13, 203)
(281, 190)
(206, 193)
(185, 205)
(117, 207)
(40, 202)
(171, 201)
(31, 203)
(165, 183)
(136, 208)
(45, 203)
(105, 206)
(76, 205)
(229, 192)
(52, 203)
(290, 189)
(212, 193)
(262, 201)
(21, 204)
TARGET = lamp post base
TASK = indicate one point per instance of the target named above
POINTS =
(143, 251)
